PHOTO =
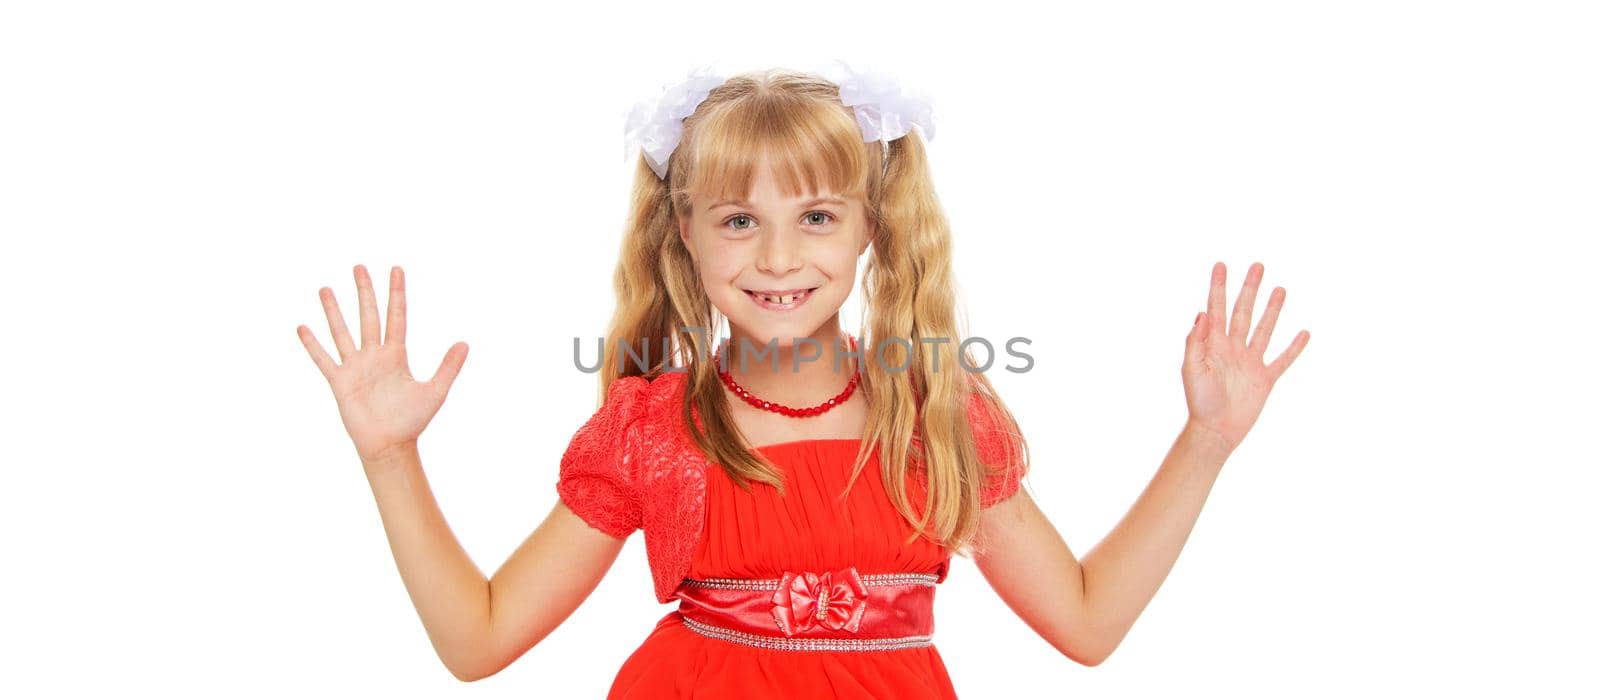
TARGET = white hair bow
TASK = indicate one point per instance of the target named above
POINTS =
(882, 110)
(657, 125)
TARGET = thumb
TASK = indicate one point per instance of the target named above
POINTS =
(449, 367)
(1194, 345)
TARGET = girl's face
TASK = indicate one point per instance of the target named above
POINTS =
(778, 267)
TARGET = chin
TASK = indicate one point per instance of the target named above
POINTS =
(784, 333)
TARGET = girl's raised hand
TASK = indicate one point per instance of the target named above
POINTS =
(1224, 379)
(384, 409)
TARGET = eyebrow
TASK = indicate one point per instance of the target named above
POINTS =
(807, 203)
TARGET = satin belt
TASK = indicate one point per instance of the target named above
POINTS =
(838, 610)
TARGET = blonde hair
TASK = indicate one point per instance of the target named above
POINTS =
(811, 139)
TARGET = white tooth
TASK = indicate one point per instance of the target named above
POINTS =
(788, 299)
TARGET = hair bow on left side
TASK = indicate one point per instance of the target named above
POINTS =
(882, 108)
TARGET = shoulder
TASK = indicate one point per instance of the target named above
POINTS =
(983, 413)
(636, 405)
(638, 396)
(645, 398)
(629, 403)
(994, 429)
(983, 408)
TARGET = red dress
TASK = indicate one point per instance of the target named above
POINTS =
(758, 535)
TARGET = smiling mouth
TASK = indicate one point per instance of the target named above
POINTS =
(786, 299)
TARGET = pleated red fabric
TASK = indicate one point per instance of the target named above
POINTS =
(631, 467)
(758, 534)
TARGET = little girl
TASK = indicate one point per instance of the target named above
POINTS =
(801, 492)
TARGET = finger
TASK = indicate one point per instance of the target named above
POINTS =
(1280, 365)
(395, 329)
(449, 367)
(341, 335)
(369, 308)
(318, 355)
(1244, 307)
(1269, 320)
(1218, 298)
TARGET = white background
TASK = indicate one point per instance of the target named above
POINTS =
(184, 514)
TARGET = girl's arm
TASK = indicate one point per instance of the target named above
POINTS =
(479, 626)
(1084, 610)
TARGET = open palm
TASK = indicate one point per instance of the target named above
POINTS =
(1224, 379)
(382, 406)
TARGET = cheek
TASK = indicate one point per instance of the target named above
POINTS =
(839, 265)
(722, 263)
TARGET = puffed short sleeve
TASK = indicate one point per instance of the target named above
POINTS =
(1000, 448)
(598, 479)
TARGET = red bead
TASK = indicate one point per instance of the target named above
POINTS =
(727, 379)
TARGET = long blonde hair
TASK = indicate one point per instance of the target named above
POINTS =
(813, 141)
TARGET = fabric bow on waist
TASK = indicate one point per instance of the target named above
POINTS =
(806, 600)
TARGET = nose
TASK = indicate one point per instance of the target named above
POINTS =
(779, 252)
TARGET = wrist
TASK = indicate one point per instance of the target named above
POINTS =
(1206, 438)
(391, 458)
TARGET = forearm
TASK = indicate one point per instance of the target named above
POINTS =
(1123, 572)
(447, 589)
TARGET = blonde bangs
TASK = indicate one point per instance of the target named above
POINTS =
(811, 146)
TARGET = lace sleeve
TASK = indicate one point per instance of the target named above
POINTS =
(598, 475)
(1000, 448)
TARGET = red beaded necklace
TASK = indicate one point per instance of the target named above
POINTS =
(819, 409)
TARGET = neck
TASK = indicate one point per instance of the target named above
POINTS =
(800, 371)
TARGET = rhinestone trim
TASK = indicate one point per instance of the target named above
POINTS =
(771, 584)
(807, 644)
